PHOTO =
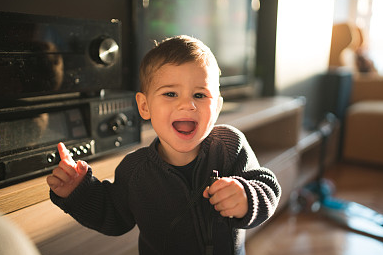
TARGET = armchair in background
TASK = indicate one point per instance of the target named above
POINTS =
(363, 122)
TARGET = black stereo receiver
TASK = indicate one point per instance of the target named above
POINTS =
(89, 127)
(52, 73)
(46, 55)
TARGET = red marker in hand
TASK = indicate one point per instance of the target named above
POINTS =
(68, 175)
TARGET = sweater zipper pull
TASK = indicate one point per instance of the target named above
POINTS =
(214, 177)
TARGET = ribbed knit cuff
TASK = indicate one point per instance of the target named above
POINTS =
(252, 199)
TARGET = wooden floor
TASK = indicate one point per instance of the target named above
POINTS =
(308, 233)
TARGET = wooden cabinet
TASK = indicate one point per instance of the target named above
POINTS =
(272, 126)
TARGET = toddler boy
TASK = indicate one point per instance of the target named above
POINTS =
(165, 188)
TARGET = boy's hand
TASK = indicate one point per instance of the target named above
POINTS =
(228, 197)
(68, 175)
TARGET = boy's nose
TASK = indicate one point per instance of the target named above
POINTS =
(186, 104)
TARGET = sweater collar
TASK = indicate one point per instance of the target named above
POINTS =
(155, 156)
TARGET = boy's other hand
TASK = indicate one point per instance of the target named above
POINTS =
(228, 197)
(67, 175)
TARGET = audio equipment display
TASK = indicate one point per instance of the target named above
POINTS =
(43, 128)
(90, 127)
(43, 55)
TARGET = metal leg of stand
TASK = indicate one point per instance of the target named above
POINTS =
(350, 214)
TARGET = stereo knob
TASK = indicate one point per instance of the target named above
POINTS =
(119, 122)
(104, 51)
(51, 158)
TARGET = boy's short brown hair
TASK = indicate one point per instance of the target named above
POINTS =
(176, 50)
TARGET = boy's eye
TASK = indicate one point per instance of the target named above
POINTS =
(199, 95)
(170, 94)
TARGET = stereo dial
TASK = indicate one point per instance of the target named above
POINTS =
(104, 51)
(118, 123)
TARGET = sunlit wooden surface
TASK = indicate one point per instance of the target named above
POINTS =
(314, 234)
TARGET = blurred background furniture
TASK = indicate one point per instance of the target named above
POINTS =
(363, 120)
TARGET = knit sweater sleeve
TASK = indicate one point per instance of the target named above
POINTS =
(261, 185)
(100, 205)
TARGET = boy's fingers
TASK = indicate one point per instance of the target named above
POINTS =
(69, 167)
(225, 189)
(64, 153)
(54, 182)
(219, 184)
(221, 197)
(82, 167)
(228, 197)
(205, 193)
(63, 176)
(228, 213)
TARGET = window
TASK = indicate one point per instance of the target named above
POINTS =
(369, 17)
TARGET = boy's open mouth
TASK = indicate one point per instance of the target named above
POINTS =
(185, 127)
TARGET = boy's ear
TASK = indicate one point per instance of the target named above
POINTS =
(142, 105)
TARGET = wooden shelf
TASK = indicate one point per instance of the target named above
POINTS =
(22, 195)
(259, 112)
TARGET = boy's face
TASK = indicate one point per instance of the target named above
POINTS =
(183, 103)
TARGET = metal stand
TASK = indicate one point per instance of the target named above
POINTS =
(350, 214)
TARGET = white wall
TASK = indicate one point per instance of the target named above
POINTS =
(304, 30)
